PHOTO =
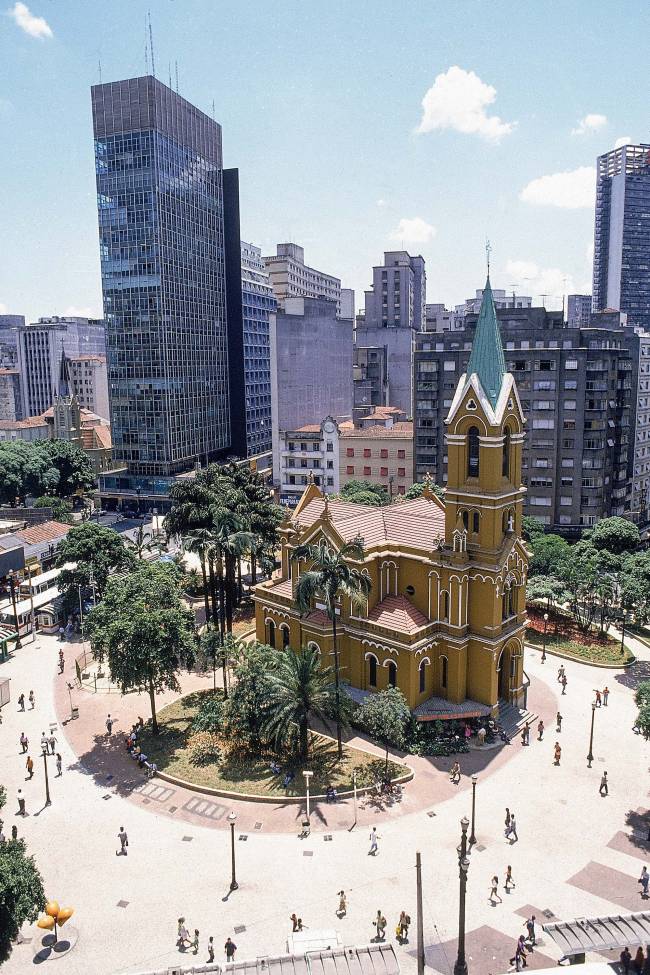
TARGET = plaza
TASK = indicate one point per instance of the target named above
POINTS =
(578, 854)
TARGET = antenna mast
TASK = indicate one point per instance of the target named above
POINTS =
(176, 67)
(153, 63)
(488, 248)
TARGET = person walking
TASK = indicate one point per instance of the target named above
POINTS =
(599, 700)
(530, 928)
(507, 820)
(639, 959)
(61, 662)
(109, 725)
(494, 890)
(230, 948)
(59, 766)
(564, 683)
(29, 765)
(558, 722)
(210, 950)
(124, 842)
(558, 753)
(454, 773)
(519, 957)
(21, 803)
(644, 879)
(24, 742)
(509, 882)
(343, 904)
(44, 742)
(560, 674)
(380, 926)
(21, 702)
(374, 842)
(513, 829)
(52, 742)
(605, 695)
(540, 730)
(604, 785)
(195, 942)
(294, 923)
(625, 958)
(32, 701)
(403, 926)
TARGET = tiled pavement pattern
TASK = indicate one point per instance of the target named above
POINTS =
(487, 951)
(612, 885)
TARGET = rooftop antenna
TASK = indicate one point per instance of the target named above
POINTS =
(153, 63)
(513, 286)
(170, 73)
(488, 248)
(564, 281)
(544, 297)
(176, 67)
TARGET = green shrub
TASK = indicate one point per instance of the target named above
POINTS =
(211, 714)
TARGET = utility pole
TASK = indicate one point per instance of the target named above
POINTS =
(420, 923)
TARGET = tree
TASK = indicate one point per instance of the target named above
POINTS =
(531, 527)
(549, 554)
(385, 716)
(75, 471)
(550, 588)
(25, 470)
(592, 578)
(61, 509)
(252, 663)
(22, 895)
(297, 689)
(617, 535)
(417, 490)
(642, 701)
(143, 630)
(635, 584)
(331, 578)
(141, 543)
(95, 551)
(364, 492)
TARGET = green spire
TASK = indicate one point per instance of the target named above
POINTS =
(487, 359)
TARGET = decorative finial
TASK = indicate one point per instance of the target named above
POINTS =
(311, 477)
(488, 248)
(326, 510)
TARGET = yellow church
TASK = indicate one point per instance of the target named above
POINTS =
(444, 620)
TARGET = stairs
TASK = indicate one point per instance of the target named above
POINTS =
(513, 719)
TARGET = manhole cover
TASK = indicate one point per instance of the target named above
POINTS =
(239, 928)
(328, 837)
(431, 813)
(107, 796)
(308, 853)
(258, 825)
(548, 913)
(479, 847)
(122, 903)
(172, 809)
(243, 837)
(187, 839)
(146, 801)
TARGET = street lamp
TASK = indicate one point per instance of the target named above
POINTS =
(623, 622)
(472, 839)
(460, 968)
(70, 696)
(307, 776)
(590, 756)
(48, 801)
(544, 644)
(81, 612)
(232, 818)
(12, 587)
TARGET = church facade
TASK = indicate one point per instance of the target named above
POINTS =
(445, 617)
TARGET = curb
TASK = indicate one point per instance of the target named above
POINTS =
(579, 660)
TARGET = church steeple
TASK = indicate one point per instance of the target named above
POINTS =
(487, 359)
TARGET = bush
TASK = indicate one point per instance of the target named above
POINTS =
(203, 748)
(642, 694)
(211, 715)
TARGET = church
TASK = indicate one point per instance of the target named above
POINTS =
(444, 620)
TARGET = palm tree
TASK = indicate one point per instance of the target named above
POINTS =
(141, 542)
(198, 543)
(230, 542)
(297, 688)
(330, 577)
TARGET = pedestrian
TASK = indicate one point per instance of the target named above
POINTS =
(294, 922)
(560, 674)
(210, 949)
(24, 741)
(605, 695)
(494, 890)
(639, 958)
(374, 842)
(524, 732)
(21, 702)
(59, 765)
(195, 942)
(52, 741)
(509, 882)
(21, 803)
(124, 842)
(61, 662)
(604, 786)
(343, 904)
(29, 765)
(644, 879)
(44, 742)
(540, 730)
(380, 926)
(564, 683)
(558, 722)
(513, 829)
(558, 752)
(32, 700)
(14, 832)
(403, 926)
(626, 958)
(519, 957)
(454, 773)
(299, 924)
(530, 928)
(599, 701)
(507, 820)
(230, 948)
(109, 725)
(182, 934)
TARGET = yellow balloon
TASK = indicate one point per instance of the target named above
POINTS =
(52, 908)
(64, 915)
(46, 922)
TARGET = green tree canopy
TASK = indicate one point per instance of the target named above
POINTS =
(61, 509)
(385, 716)
(549, 554)
(364, 492)
(531, 527)
(616, 535)
(97, 551)
(74, 469)
(550, 588)
(25, 470)
(252, 663)
(22, 894)
(143, 630)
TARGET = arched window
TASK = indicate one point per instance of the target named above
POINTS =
(444, 664)
(476, 522)
(505, 463)
(285, 636)
(372, 676)
(466, 520)
(445, 605)
(505, 602)
(271, 639)
(472, 452)
(392, 674)
(423, 679)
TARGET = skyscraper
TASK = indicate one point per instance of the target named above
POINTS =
(161, 228)
(622, 233)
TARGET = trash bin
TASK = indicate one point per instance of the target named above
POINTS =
(75, 713)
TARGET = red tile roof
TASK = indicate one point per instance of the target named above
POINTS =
(48, 531)
(418, 523)
(397, 613)
(30, 421)
(282, 589)
(319, 617)
(403, 431)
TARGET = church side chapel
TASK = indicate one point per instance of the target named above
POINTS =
(444, 619)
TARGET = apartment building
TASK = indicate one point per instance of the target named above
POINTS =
(291, 277)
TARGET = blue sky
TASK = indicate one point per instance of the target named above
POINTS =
(322, 111)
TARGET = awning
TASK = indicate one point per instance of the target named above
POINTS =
(607, 933)
(440, 709)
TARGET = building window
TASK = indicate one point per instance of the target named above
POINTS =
(372, 676)
(401, 489)
(401, 454)
(330, 448)
(366, 471)
(465, 520)
(271, 634)
(330, 465)
(444, 667)
(349, 469)
(367, 452)
(422, 678)
(401, 472)
(349, 452)
(384, 453)
(384, 472)
(445, 605)
(472, 452)
(505, 462)
(330, 482)
(285, 637)
(392, 674)
(476, 522)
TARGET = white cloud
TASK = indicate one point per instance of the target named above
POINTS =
(623, 140)
(528, 278)
(458, 100)
(572, 190)
(73, 311)
(590, 123)
(413, 231)
(27, 21)
(381, 203)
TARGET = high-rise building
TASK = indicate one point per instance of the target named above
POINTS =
(88, 380)
(578, 310)
(41, 347)
(10, 400)
(161, 226)
(622, 233)
(291, 277)
(9, 325)
(399, 291)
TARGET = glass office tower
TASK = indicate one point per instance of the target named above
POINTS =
(161, 228)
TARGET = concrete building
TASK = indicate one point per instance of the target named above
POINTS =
(439, 318)
(291, 277)
(622, 233)
(637, 341)
(576, 393)
(309, 454)
(398, 295)
(10, 398)
(88, 379)
(444, 616)
(346, 305)
(41, 347)
(311, 367)
(31, 428)
(472, 306)
(9, 339)
(578, 310)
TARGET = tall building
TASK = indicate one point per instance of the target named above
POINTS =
(41, 347)
(291, 277)
(88, 380)
(399, 292)
(161, 228)
(622, 233)
(500, 298)
(445, 616)
(576, 393)
(9, 325)
(10, 399)
(578, 310)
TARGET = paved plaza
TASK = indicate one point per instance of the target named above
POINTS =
(578, 854)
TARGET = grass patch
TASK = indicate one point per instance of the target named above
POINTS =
(607, 652)
(240, 771)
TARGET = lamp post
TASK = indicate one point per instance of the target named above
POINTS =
(472, 839)
(590, 756)
(48, 801)
(623, 622)
(12, 587)
(544, 643)
(307, 776)
(81, 613)
(354, 793)
(232, 818)
(70, 696)
(460, 967)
